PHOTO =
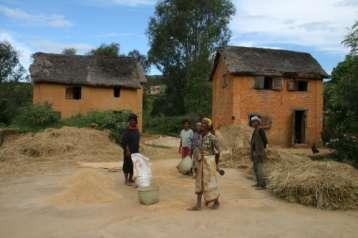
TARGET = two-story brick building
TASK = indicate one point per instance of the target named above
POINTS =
(285, 88)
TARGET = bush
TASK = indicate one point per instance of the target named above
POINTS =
(167, 125)
(113, 121)
(346, 147)
(13, 97)
(36, 117)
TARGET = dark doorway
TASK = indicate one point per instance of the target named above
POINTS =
(299, 126)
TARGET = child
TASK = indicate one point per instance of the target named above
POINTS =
(130, 145)
(186, 139)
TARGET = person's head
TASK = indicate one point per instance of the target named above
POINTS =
(132, 120)
(186, 124)
(198, 126)
(255, 121)
(206, 124)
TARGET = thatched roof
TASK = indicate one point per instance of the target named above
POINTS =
(269, 62)
(87, 70)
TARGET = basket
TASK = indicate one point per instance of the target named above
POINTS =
(148, 195)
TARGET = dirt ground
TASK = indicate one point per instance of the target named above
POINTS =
(27, 212)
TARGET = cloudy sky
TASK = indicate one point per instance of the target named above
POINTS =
(316, 26)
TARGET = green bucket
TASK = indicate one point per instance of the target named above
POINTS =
(148, 195)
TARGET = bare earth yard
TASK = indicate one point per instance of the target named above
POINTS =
(44, 192)
(26, 211)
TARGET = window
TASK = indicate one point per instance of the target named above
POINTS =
(296, 85)
(268, 83)
(117, 91)
(73, 92)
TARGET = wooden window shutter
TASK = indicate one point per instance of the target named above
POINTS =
(292, 85)
(277, 83)
(259, 82)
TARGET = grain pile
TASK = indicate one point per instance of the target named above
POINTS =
(294, 177)
(87, 187)
(66, 143)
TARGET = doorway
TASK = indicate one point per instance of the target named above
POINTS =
(299, 127)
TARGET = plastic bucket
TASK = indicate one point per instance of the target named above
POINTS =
(148, 195)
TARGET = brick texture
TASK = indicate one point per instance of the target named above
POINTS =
(233, 103)
(93, 99)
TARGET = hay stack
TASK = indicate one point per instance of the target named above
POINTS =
(234, 141)
(322, 184)
(60, 144)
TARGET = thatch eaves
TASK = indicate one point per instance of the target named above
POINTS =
(269, 62)
(98, 71)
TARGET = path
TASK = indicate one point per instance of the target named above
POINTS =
(245, 212)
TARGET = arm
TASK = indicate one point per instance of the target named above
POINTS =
(216, 150)
(180, 144)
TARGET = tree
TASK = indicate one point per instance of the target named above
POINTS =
(341, 122)
(183, 37)
(10, 67)
(351, 40)
(142, 59)
(111, 50)
(69, 51)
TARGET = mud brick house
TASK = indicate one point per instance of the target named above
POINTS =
(284, 88)
(78, 84)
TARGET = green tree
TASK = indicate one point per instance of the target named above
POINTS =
(111, 50)
(351, 40)
(142, 59)
(341, 105)
(69, 51)
(10, 67)
(183, 37)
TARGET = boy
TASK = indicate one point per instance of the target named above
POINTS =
(186, 139)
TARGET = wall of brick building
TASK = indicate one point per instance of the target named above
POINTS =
(222, 97)
(278, 105)
(92, 99)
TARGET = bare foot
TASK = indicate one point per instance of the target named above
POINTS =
(215, 206)
(195, 208)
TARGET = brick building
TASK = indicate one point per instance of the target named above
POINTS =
(285, 88)
(75, 84)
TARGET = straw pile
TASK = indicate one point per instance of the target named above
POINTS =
(60, 144)
(322, 184)
(86, 187)
(234, 142)
(295, 177)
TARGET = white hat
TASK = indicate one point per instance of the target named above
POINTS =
(255, 118)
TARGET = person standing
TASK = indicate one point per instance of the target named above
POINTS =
(206, 184)
(258, 154)
(186, 139)
(130, 145)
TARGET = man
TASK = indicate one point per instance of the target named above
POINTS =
(258, 154)
(186, 139)
(130, 145)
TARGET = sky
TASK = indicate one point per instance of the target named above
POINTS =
(313, 26)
